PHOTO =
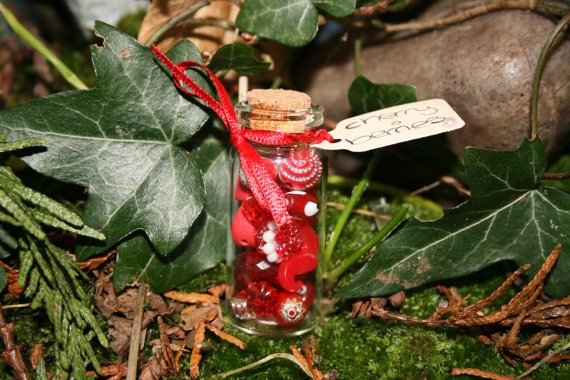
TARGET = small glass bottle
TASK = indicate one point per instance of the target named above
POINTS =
(273, 273)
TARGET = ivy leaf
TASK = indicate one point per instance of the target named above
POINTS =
(336, 8)
(291, 22)
(240, 57)
(121, 140)
(509, 217)
(205, 245)
(365, 96)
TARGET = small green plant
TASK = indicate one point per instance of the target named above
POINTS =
(51, 278)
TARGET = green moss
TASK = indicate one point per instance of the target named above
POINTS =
(221, 357)
(376, 349)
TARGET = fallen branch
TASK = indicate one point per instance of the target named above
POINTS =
(136, 334)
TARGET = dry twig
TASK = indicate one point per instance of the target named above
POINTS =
(136, 334)
(11, 354)
(545, 7)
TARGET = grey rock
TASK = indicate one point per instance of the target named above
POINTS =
(483, 67)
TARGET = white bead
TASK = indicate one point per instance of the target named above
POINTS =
(269, 248)
(268, 236)
(273, 257)
(311, 208)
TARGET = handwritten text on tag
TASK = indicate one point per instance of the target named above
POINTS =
(393, 125)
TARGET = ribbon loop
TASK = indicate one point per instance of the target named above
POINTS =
(264, 189)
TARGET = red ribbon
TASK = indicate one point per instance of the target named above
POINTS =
(265, 190)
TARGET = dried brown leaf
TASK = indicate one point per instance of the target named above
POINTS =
(309, 358)
(197, 351)
(36, 354)
(207, 38)
(12, 274)
(480, 373)
(201, 298)
(111, 372)
(153, 370)
(227, 337)
(190, 321)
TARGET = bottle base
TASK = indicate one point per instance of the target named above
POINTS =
(271, 329)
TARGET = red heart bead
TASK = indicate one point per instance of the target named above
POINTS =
(243, 232)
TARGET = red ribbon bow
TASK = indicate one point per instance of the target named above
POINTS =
(265, 190)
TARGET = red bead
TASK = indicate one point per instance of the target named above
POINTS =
(252, 266)
(307, 293)
(302, 262)
(301, 205)
(301, 170)
(289, 270)
(242, 191)
(288, 239)
(262, 297)
(243, 232)
(265, 242)
(291, 309)
(310, 239)
(254, 213)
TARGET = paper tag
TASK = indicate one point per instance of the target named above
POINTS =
(393, 125)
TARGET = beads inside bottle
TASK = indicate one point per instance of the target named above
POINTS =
(273, 270)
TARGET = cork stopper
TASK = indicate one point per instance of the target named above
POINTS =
(266, 104)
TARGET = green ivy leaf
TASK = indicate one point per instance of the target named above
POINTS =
(291, 22)
(239, 57)
(365, 96)
(336, 8)
(508, 217)
(121, 140)
(205, 246)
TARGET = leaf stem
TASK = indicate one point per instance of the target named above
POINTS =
(538, 72)
(281, 355)
(356, 194)
(358, 56)
(175, 20)
(335, 274)
(556, 176)
(35, 43)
